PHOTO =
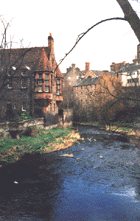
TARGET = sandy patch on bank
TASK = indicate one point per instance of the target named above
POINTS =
(66, 142)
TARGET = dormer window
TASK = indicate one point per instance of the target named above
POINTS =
(9, 73)
(23, 73)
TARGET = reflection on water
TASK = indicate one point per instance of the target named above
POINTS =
(98, 179)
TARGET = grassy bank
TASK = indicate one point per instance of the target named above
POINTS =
(43, 141)
(126, 128)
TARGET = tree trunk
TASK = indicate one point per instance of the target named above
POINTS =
(130, 16)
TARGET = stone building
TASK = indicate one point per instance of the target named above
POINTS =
(92, 94)
(31, 82)
(74, 74)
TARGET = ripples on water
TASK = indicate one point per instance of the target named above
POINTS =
(100, 182)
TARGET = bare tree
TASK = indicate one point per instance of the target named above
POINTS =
(68, 98)
(11, 62)
(8, 61)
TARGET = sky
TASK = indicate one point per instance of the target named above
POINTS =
(32, 21)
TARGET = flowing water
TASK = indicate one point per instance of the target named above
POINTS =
(96, 179)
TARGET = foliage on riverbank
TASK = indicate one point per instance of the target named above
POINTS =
(126, 128)
(131, 130)
(43, 141)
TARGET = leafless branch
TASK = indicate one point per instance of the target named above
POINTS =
(80, 36)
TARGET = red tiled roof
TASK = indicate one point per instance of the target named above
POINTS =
(36, 58)
(23, 56)
(43, 63)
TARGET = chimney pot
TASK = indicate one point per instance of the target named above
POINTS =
(51, 42)
(73, 65)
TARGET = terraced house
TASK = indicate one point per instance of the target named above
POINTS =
(30, 81)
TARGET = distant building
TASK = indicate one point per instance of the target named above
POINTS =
(34, 82)
(129, 73)
(73, 75)
(116, 66)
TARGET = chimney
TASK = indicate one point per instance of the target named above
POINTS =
(73, 65)
(87, 66)
(51, 42)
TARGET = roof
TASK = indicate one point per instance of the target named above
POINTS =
(23, 56)
(77, 71)
(37, 58)
(86, 82)
(43, 63)
(128, 68)
(96, 72)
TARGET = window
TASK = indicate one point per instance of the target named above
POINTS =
(58, 87)
(77, 77)
(9, 107)
(40, 76)
(39, 88)
(23, 108)
(133, 80)
(58, 92)
(39, 82)
(47, 89)
(47, 83)
(39, 85)
(23, 83)
(9, 73)
(23, 73)
(76, 88)
(46, 76)
(9, 84)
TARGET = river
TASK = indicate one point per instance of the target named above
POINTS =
(96, 179)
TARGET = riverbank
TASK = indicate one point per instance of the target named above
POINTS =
(130, 131)
(41, 140)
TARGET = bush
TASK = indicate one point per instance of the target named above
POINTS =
(23, 116)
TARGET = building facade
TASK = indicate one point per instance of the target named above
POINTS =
(31, 82)
(92, 95)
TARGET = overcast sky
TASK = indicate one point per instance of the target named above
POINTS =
(113, 41)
